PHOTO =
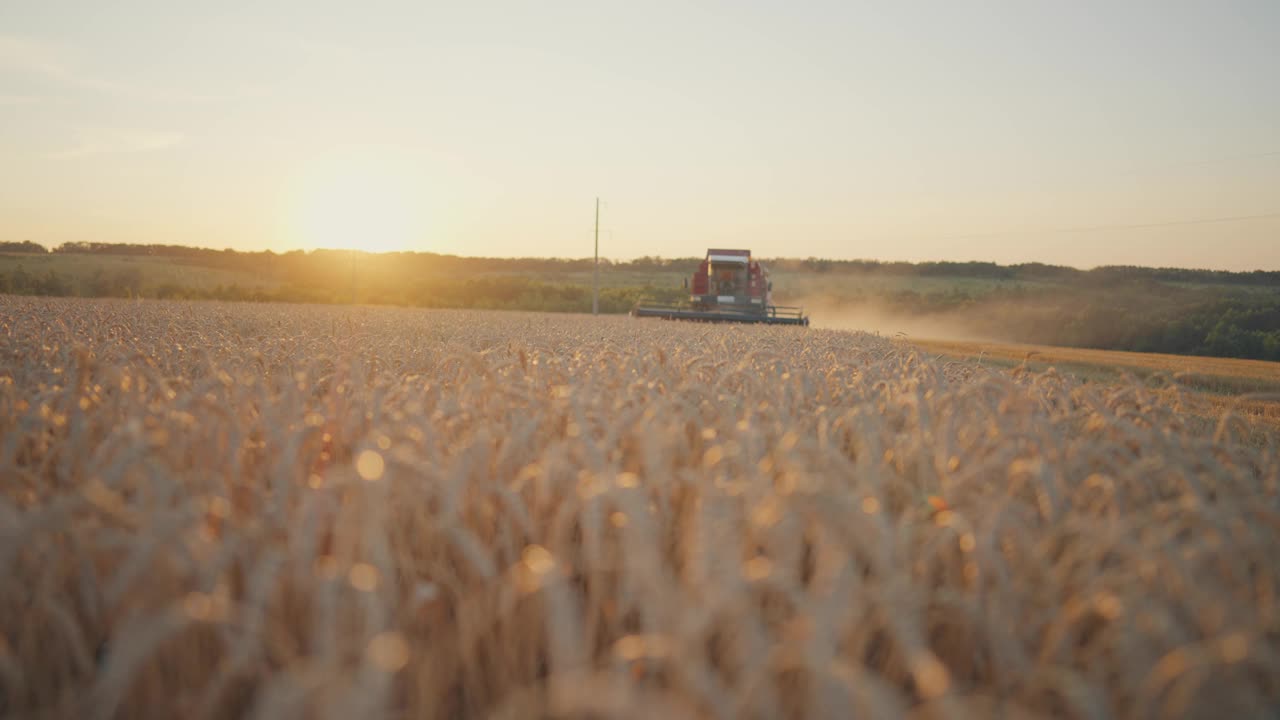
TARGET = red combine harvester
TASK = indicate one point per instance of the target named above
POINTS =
(728, 287)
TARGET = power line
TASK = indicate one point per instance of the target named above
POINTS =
(1129, 226)
(595, 273)
(1219, 160)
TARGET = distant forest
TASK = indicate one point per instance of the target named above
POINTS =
(1170, 310)
(304, 261)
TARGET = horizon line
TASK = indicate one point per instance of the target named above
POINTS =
(54, 250)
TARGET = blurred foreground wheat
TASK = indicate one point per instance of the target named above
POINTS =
(213, 510)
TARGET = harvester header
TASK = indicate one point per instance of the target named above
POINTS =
(728, 286)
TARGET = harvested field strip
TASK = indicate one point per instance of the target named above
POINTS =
(1249, 388)
(1232, 373)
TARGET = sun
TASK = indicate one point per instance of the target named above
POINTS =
(357, 203)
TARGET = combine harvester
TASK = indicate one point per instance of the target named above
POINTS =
(728, 287)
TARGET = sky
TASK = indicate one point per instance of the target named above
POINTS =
(1084, 133)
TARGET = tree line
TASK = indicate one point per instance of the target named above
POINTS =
(298, 262)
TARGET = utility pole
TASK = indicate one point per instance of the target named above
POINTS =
(353, 276)
(595, 279)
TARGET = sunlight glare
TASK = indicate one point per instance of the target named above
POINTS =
(358, 202)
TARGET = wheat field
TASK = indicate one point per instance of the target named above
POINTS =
(219, 510)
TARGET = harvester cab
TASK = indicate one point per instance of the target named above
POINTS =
(728, 286)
